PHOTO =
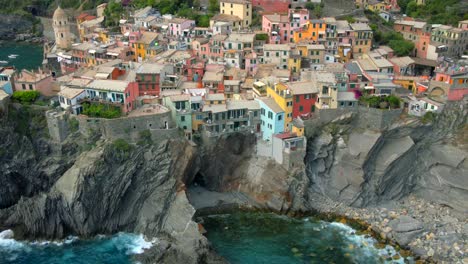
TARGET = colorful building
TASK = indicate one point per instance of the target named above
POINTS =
(361, 37)
(283, 97)
(272, 118)
(239, 8)
(113, 92)
(35, 81)
(144, 44)
(418, 32)
(450, 82)
(313, 30)
(181, 111)
(150, 76)
(281, 27)
(304, 95)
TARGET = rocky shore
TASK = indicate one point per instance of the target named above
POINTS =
(434, 233)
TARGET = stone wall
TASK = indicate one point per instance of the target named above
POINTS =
(4, 101)
(367, 118)
(160, 125)
(376, 119)
(57, 123)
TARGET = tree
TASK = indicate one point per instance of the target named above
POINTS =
(196, 4)
(113, 13)
(310, 6)
(402, 47)
(213, 6)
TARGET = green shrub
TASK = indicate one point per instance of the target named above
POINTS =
(261, 36)
(121, 145)
(73, 124)
(145, 138)
(393, 100)
(101, 110)
(25, 96)
(429, 117)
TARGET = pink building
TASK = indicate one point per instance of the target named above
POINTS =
(280, 27)
(251, 62)
(450, 81)
(35, 81)
(180, 26)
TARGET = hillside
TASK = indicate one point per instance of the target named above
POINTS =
(437, 11)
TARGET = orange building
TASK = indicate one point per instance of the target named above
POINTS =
(313, 30)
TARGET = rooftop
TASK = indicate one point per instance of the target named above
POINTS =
(218, 108)
(243, 104)
(304, 87)
(148, 109)
(70, 93)
(215, 97)
(360, 26)
(270, 103)
(109, 85)
(150, 68)
(241, 37)
(346, 96)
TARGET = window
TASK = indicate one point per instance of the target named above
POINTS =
(182, 118)
(280, 117)
(307, 96)
(301, 108)
(297, 99)
(270, 115)
(23, 86)
(262, 111)
(30, 87)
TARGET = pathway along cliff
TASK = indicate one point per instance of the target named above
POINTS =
(408, 183)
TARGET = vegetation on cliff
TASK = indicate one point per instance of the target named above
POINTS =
(436, 11)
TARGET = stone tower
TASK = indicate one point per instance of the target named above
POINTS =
(61, 25)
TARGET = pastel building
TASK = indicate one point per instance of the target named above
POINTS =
(115, 92)
(181, 111)
(361, 37)
(6, 80)
(283, 97)
(239, 8)
(418, 32)
(180, 26)
(69, 98)
(150, 76)
(271, 116)
(281, 27)
(450, 82)
(35, 80)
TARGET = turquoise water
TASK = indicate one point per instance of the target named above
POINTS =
(117, 249)
(30, 55)
(249, 238)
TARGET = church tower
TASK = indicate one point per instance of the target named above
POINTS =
(61, 25)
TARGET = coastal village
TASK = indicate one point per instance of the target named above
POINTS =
(265, 75)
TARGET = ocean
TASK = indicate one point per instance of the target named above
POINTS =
(117, 249)
(250, 238)
(29, 55)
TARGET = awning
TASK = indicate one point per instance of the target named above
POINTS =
(164, 26)
(92, 51)
(259, 84)
(369, 87)
(122, 21)
(112, 54)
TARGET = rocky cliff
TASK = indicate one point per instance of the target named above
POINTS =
(55, 190)
(15, 27)
(362, 168)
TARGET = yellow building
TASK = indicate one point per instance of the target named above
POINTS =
(145, 46)
(239, 8)
(197, 120)
(283, 97)
(215, 99)
(294, 64)
(362, 37)
(298, 127)
(409, 82)
(313, 30)
(376, 6)
(314, 52)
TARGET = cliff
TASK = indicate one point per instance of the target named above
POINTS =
(88, 186)
(54, 190)
(362, 167)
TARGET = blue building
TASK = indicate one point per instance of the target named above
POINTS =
(271, 116)
(6, 80)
